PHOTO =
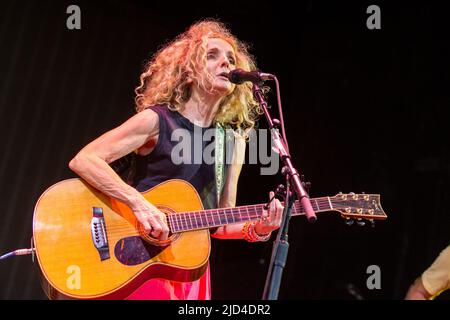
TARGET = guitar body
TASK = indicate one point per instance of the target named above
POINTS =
(71, 220)
(90, 246)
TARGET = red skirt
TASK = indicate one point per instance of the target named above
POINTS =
(162, 289)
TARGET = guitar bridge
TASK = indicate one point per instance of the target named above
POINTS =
(98, 232)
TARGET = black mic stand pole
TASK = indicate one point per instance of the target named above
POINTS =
(281, 245)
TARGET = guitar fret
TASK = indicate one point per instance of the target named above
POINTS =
(225, 211)
(294, 207)
(190, 222)
(194, 221)
(329, 201)
(218, 216)
(186, 221)
(173, 223)
(323, 204)
(180, 222)
(255, 212)
(198, 221)
(317, 205)
(176, 217)
(169, 222)
(232, 214)
(183, 221)
(240, 215)
(212, 219)
(205, 216)
(223, 216)
(202, 217)
(213, 222)
(248, 214)
(258, 211)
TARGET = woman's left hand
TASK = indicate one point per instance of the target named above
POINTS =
(271, 219)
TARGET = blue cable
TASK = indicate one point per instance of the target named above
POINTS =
(7, 255)
(19, 252)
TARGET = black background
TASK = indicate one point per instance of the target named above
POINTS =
(365, 110)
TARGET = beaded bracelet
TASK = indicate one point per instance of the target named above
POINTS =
(249, 233)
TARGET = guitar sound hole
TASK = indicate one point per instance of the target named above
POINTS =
(154, 241)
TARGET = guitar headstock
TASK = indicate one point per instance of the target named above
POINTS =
(358, 206)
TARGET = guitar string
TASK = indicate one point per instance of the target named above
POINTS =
(192, 218)
(223, 213)
(189, 222)
(230, 212)
(185, 219)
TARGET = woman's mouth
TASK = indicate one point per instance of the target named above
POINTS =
(223, 76)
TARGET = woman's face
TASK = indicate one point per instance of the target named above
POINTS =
(220, 58)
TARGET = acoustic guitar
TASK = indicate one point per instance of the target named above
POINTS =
(90, 246)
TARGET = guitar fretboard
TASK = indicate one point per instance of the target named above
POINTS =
(196, 220)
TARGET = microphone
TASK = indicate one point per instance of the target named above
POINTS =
(239, 76)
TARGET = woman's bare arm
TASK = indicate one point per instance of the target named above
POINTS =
(92, 164)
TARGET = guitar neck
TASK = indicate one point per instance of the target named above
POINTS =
(196, 220)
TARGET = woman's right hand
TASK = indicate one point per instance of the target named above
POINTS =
(153, 220)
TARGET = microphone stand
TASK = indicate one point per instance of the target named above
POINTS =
(281, 245)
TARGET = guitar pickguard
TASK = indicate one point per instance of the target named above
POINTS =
(132, 251)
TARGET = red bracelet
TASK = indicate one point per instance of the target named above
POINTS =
(249, 233)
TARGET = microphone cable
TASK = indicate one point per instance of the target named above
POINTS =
(280, 111)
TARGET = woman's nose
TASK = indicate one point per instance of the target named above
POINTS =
(225, 62)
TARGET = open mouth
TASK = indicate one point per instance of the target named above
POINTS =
(223, 75)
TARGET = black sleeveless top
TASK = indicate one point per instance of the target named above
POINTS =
(159, 165)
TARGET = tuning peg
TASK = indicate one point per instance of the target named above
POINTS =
(372, 223)
(281, 191)
(349, 221)
(361, 223)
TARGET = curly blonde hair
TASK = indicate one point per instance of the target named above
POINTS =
(168, 76)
